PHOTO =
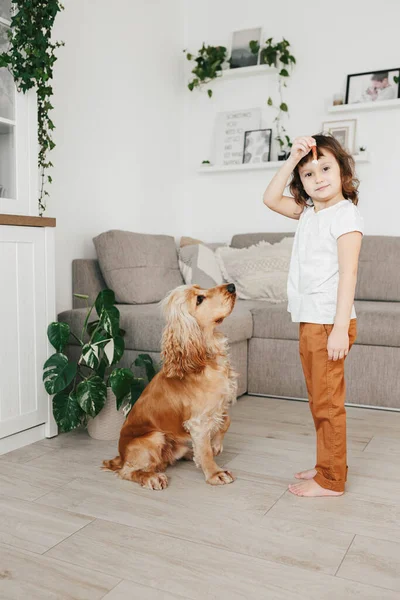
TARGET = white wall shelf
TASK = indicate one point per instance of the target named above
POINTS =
(248, 71)
(383, 104)
(358, 158)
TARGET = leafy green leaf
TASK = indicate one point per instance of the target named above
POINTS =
(109, 351)
(210, 93)
(90, 354)
(81, 296)
(109, 320)
(119, 348)
(91, 394)
(101, 369)
(396, 79)
(145, 360)
(269, 102)
(137, 388)
(284, 107)
(254, 46)
(58, 334)
(67, 412)
(105, 299)
(92, 326)
(284, 73)
(120, 381)
(58, 373)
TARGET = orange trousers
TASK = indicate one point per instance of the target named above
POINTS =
(326, 395)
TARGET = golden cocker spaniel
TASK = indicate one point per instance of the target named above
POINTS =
(186, 403)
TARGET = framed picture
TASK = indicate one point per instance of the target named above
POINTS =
(257, 146)
(229, 132)
(373, 86)
(343, 131)
(241, 55)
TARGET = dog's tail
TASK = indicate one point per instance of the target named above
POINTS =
(114, 464)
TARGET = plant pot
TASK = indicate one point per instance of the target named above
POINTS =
(107, 424)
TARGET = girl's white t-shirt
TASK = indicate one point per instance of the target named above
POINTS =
(314, 267)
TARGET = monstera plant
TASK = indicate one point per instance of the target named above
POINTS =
(80, 387)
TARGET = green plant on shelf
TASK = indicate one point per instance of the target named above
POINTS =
(209, 61)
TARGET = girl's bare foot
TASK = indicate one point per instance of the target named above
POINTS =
(310, 474)
(311, 489)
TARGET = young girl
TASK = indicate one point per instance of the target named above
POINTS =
(321, 287)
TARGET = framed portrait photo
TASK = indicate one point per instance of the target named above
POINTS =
(343, 131)
(373, 86)
(241, 54)
(257, 146)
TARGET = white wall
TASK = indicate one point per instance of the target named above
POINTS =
(118, 90)
(329, 42)
(130, 136)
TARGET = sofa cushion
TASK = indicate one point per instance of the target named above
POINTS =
(377, 323)
(259, 272)
(144, 324)
(379, 269)
(139, 267)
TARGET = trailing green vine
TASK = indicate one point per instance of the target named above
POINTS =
(30, 59)
(271, 54)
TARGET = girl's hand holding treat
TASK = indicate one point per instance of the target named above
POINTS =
(301, 147)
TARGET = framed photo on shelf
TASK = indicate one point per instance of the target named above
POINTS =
(229, 132)
(257, 146)
(343, 131)
(241, 55)
(373, 86)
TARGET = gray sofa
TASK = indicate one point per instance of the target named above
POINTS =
(264, 341)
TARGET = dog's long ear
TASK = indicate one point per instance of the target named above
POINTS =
(183, 347)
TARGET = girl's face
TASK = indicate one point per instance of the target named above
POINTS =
(322, 182)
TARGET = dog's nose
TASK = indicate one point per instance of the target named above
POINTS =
(231, 288)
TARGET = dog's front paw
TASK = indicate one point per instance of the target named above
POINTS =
(217, 449)
(157, 481)
(221, 478)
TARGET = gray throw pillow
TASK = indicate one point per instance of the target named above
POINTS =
(199, 265)
(139, 267)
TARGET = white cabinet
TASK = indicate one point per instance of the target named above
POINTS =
(26, 307)
(27, 288)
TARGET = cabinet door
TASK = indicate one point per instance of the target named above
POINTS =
(18, 139)
(23, 324)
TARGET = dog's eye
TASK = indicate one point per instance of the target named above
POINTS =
(199, 300)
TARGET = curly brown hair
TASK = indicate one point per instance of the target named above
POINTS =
(346, 163)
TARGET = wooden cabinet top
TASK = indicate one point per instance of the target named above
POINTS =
(25, 221)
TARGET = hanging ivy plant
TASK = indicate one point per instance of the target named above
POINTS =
(209, 61)
(271, 54)
(30, 59)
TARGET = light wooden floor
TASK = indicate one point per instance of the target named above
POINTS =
(69, 530)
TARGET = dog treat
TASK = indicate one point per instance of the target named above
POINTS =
(315, 155)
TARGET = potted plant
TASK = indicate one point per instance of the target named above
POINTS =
(209, 62)
(89, 391)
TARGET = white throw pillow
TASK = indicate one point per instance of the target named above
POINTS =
(259, 272)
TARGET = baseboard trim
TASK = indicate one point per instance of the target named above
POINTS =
(21, 439)
(305, 400)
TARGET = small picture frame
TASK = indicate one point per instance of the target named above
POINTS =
(373, 86)
(343, 131)
(257, 146)
(241, 55)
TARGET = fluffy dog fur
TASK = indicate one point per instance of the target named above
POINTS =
(186, 404)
